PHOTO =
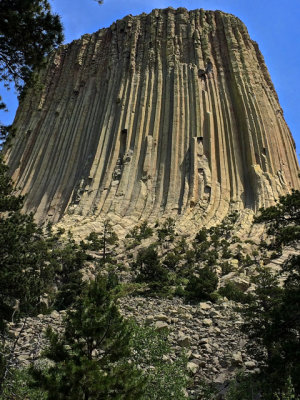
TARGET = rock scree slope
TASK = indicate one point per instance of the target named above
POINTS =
(126, 125)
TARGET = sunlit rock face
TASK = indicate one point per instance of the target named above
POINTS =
(125, 123)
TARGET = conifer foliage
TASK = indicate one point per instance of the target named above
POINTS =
(23, 253)
(28, 31)
(33, 260)
(283, 219)
(90, 360)
(272, 318)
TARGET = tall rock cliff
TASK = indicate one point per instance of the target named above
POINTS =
(126, 124)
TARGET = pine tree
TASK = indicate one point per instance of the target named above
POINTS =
(33, 260)
(103, 242)
(201, 286)
(28, 31)
(272, 323)
(24, 269)
(283, 220)
(91, 357)
(272, 318)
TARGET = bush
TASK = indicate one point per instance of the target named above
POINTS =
(145, 231)
(226, 268)
(18, 387)
(149, 266)
(103, 242)
(226, 253)
(272, 324)
(138, 233)
(248, 387)
(69, 260)
(166, 379)
(151, 271)
(283, 220)
(288, 392)
(179, 291)
(201, 286)
(201, 236)
(232, 292)
(243, 387)
(167, 229)
(34, 261)
(171, 260)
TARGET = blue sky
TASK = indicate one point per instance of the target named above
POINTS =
(274, 24)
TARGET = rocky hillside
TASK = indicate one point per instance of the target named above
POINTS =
(161, 273)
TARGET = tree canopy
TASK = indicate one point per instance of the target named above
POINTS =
(272, 319)
(283, 219)
(32, 259)
(90, 360)
(28, 32)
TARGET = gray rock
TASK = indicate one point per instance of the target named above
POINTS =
(250, 364)
(207, 348)
(207, 322)
(204, 306)
(237, 358)
(159, 325)
(183, 340)
(192, 367)
(162, 317)
(149, 319)
(55, 315)
(204, 340)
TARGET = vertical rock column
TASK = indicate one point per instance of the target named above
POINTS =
(124, 125)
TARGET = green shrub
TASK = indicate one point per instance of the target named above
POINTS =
(211, 257)
(201, 286)
(243, 387)
(93, 242)
(226, 253)
(200, 251)
(145, 231)
(171, 260)
(151, 271)
(70, 259)
(232, 292)
(182, 246)
(167, 229)
(140, 232)
(215, 297)
(18, 387)
(179, 291)
(190, 256)
(247, 261)
(226, 268)
(90, 357)
(104, 242)
(149, 266)
(272, 325)
(288, 392)
(201, 236)
(250, 387)
(167, 379)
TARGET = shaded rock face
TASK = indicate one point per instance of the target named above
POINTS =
(126, 126)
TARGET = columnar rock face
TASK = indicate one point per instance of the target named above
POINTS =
(125, 125)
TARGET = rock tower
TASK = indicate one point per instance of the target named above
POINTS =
(167, 114)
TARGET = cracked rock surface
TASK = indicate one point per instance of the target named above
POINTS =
(124, 126)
